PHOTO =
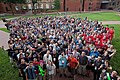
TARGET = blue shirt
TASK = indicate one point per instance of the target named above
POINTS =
(94, 53)
(62, 61)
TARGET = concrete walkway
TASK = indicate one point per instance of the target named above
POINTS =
(4, 37)
(110, 22)
(2, 24)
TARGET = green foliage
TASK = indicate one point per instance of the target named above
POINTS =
(7, 16)
(7, 72)
(21, 1)
(116, 42)
(57, 4)
(13, 1)
(34, 1)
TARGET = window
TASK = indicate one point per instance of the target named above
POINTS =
(89, 8)
(7, 9)
(53, 6)
(113, 3)
(17, 8)
(41, 6)
(29, 6)
(47, 6)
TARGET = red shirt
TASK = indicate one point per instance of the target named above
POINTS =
(111, 32)
(73, 62)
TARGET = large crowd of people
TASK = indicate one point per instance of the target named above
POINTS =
(58, 45)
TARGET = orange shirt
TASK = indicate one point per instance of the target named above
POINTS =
(73, 62)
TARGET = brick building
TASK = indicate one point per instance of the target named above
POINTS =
(41, 4)
(22, 8)
(45, 4)
(80, 5)
(16, 8)
(110, 4)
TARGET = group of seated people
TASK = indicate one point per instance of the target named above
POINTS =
(43, 47)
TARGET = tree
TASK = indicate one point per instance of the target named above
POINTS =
(57, 4)
(34, 2)
(11, 2)
(83, 2)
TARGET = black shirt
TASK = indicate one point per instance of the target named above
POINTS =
(22, 67)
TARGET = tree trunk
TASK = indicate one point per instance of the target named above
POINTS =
(33, 10)
(83, 2)
(10, 4)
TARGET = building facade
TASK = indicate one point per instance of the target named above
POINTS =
(22, 8)
(41, 4)
(12, 8)
(80, 5)
(110, 4)
(115, 4)
(46, 4)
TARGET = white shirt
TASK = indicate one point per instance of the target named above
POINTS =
(45, 59)
(51, 69)
(19, 55)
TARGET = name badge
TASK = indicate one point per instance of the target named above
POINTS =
(54, 59)
(62, 61)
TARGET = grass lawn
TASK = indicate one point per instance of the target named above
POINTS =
(6, 71)
(7, 16)
(116, 42)
(5, 30)
(101, 16)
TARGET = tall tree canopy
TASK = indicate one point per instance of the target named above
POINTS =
(57, 4)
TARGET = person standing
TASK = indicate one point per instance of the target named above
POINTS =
(73, 65)
(30, 72)
(46, 58)
(62, 63)
(97, 68)
(22, 67)
(51, 68)
(83, 61)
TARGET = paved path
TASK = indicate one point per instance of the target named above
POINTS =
(4, 37)
(2, 24)
(110, 22)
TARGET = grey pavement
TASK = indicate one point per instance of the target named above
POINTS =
(2, 24)
(4, 37)
(110, 22)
